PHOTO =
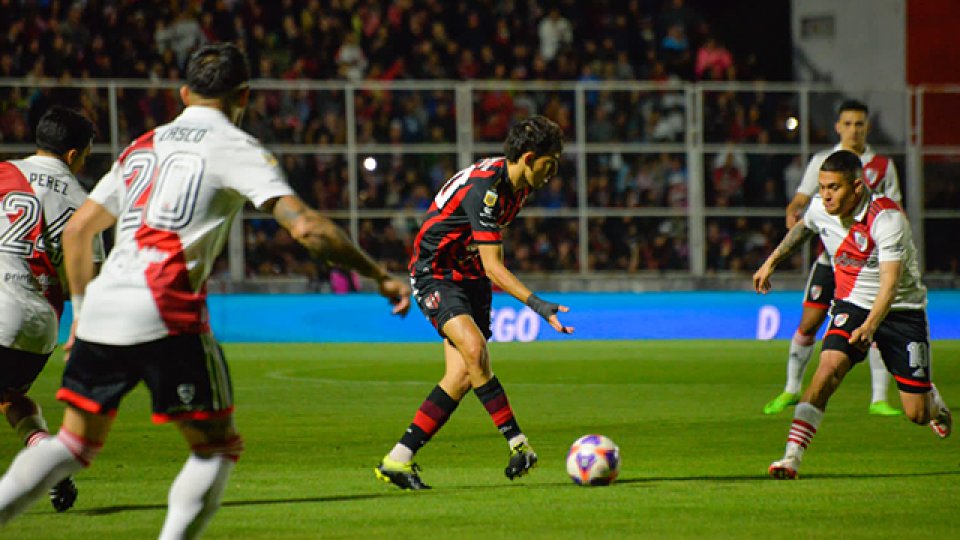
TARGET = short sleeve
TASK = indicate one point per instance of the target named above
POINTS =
(887, 231)
(810, 183)
(480, 207)
(891, 182)
(253, 172)
(109, 191)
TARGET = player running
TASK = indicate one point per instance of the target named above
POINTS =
(38, 195)
(457, 254)
(172, 195)
(879, 299)
(880, 175)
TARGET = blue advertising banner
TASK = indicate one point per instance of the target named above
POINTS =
(652, 315)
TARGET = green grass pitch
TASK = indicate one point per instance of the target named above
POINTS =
(686, 414)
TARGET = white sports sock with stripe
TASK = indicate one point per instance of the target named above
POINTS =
(35, 470)
(806, 422)
(195, 496)
(801, 349)
(879, 378)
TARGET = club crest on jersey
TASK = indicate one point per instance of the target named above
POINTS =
(815, 292)
(186, 392)
(490, 198)
(841, 320)
(861, 240)
(871, 176)
(432, 300)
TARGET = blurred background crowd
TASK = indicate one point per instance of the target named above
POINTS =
(504, 40)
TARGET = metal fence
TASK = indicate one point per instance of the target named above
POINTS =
(641, 159)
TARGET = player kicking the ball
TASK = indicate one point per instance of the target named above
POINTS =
(457, 254)
(879, 299)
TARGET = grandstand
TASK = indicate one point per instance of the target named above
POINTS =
(688, 125)
(645, 188)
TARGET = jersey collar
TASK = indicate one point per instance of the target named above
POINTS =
(50, 162)
(198, 112)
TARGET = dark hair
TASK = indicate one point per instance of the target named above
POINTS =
(537, 134)
(853, 105)
(844, 162)
(61, 130)
(217, 70)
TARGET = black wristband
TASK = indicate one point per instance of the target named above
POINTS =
(541, 307)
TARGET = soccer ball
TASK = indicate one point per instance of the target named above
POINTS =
(594, 460)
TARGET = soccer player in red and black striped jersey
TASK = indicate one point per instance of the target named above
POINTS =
(457, 254)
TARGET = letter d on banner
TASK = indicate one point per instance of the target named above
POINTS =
(768, 322)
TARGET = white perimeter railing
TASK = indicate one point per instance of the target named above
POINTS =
(802, 115)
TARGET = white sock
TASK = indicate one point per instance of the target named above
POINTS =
(938, 403)
(879, 377)
(514, 441)
(801, 349)
(401, 453)
(35, 470)
(806, 422)
(195, 496)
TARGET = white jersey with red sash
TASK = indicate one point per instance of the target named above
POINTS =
(38, 195)
(174, 192)
(877, 232)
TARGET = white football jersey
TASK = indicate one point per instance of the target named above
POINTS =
(878, 232)
(879, 173)
(38, 195)
(174, 192)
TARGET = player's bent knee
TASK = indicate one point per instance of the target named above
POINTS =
(230, 448)
(473, 352)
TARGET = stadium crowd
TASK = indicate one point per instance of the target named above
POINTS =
(507, 40)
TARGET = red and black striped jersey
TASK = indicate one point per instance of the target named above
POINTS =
(471, 208)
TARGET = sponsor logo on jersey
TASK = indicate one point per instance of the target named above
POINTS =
(815, 292)
(490, 198)
(186, 392)
(846, 260)
(860, 239)
(841, 320)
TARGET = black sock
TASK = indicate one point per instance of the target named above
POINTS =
(430, 417)
(494, 399)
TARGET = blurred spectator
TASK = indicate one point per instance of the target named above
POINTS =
(181, 36)
(728, 174)
(713, 61)
(555, 32)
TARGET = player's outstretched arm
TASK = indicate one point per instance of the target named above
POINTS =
(796, 236)
(324, 239)
(78, 253)
(491, 255)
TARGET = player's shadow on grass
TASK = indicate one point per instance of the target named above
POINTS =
(106, 510)
(764, 478)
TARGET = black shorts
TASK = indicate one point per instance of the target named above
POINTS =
(820, 285)
(903, 339)
(441, 300)
(186, 374)
(18, 369)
